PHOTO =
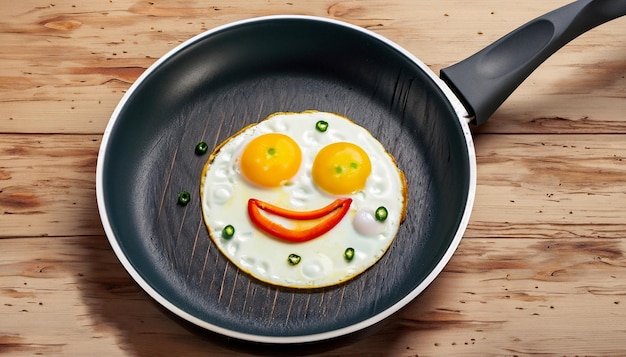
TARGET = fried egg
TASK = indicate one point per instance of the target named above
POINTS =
(303, 200)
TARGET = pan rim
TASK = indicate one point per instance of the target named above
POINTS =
(462, 116)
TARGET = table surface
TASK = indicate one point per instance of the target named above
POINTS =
(541, 269)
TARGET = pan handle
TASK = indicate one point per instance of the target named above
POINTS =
(486, 79)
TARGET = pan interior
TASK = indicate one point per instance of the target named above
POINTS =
(219, 83)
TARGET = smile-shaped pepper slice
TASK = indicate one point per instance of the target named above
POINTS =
(331, 215)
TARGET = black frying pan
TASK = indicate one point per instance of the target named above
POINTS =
(220, 81)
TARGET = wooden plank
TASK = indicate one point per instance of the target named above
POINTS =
(525, 297)
(564, 186)
(77, 59)
(70, 296)
(528, 186)
(47, 185)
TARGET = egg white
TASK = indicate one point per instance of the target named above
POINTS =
(225, 193)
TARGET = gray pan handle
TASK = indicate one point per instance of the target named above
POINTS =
(485, 80)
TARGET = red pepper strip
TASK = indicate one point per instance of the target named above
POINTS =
(333, 213)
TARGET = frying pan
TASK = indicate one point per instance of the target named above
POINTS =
(214, 84)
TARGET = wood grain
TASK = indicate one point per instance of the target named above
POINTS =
(552, 186)
(103, 48)
(568, 186)
(540, 271)
(496, 297)
(47, 185)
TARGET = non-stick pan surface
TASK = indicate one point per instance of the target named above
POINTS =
(212, 86)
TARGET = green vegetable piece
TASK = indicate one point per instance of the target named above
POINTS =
(228, 232)
(321, 126)
(184, 198)
(381, 214)
(293, 259)
(202, 148)
(349, 254)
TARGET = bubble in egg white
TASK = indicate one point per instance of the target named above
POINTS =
(232, 247)
(311, 138)
(222, 193)
(279, 126)
(261, 269)
(247, 261)
(365, 223)
(244, 236)
(225, 194)
(377, 186)
(313, 269)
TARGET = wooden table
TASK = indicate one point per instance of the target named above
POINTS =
(542, 267)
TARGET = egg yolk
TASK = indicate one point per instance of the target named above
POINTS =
(341, 168)
(270, 159)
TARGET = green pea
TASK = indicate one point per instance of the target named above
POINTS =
(184, 198)
(321, 126)
(349, 254)
(202, 148)
(293, 259)
(381, 214)
(228, 232)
